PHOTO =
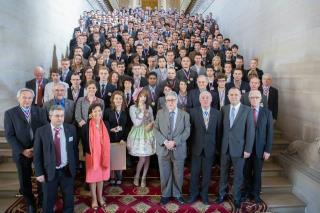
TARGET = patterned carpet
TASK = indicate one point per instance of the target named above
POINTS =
(130, 199)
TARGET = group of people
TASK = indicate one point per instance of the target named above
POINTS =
(158, 81)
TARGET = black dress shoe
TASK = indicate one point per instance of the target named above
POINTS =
(257, 200)
(192, 199)
(180, 200)
(219, 200)
(205, 200)
(164, 200)
(31, 209)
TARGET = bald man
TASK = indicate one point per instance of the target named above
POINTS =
(37, 85)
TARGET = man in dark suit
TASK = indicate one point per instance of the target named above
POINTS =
(193, 95)
(65, 72)
(261, 148)
(186, 74)
(153, 91)
(20, 124)
(59, 99)
(138, 80)
(55, 160)
(37, 85)
(75, 91)
(171, 81)
(237, 143)
(104, 89)
(238, 82)
(271, 93)
(254, 86)
(205, 131)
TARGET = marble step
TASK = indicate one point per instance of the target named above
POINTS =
(3, 143)
(8, 170)
(283, 203)
(276, 184)
(9, 187)
(271, 168)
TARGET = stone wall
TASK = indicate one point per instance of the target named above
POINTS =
(28, 32)
(285, 35)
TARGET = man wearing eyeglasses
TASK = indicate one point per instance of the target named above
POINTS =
(171, 130)
(261, 148)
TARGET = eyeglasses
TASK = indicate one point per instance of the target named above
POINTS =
(170, 100)
(255, 97)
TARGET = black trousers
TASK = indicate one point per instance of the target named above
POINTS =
(203, 163)
(24, 167)
(252, 174)
(238, 165)
(65, 181)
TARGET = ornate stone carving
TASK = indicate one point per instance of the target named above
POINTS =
(309, 153)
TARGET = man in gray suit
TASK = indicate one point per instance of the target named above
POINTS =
(237, 143)
(59, 92)
(171, 130)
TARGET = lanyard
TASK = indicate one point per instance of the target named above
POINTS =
(118, 117)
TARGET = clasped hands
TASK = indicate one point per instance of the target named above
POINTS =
(170, 145)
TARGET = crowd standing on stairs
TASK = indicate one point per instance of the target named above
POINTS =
(158, 81)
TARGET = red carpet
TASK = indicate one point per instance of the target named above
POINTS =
(130, 199)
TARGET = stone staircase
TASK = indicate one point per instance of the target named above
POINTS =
(276, 188)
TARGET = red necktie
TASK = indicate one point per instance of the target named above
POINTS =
(39, 94)
(255, 116)
(56, 142)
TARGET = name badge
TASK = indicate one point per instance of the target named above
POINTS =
(243, 91)
(70, 139)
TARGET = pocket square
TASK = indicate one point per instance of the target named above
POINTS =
(70, 139)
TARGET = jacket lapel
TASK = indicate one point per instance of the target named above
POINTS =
(178, 120)
(21, 114)
(200, 113)
(211, 117)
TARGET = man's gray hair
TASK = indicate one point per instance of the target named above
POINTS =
(205, 78)
(254, 93)
(267, 75)
(172, 94)
(55, 108)
(205, 93)
(24, 90)
(60, 84)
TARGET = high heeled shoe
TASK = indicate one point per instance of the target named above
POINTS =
(143, 182)
(136, 181)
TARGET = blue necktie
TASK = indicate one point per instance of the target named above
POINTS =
(232, 115)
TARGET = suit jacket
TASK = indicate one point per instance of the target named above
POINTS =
(17, 128)
(263, 132)
(205, 139)
(68, 78)
(202, 70)
(156, 96)
(123, 58)
(240, 136)
(109, 89)
(44, 151)
(193, 99)
(245, 100)
(69, 108)
(143, 82)
(272, 101)
(180, 134)
(193, 75)
(111, 122)
(32, 85)
(244, 87)
(174, 86)
(70, 96)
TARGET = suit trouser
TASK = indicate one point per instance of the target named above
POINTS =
(238, 164)
(171, 175)
(252, 174)
(24, 167)
(65, 181)
(200, 162)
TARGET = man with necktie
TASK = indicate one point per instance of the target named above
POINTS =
(55, 160)
(261, 148)
(205, 121)
(237, 143)
(20, 124)
(171, 130)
